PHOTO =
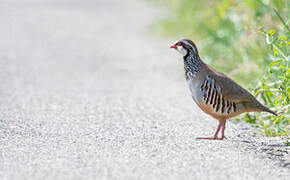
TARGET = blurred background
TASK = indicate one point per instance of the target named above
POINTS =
(89, 89)
(248, 40)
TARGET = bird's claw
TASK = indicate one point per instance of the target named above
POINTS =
(211, 138)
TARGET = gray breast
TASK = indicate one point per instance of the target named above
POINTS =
(194, 89)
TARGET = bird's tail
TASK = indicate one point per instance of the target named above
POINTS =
(269, 110)
(258, 107)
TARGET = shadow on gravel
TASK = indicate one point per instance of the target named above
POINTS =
(276, 152)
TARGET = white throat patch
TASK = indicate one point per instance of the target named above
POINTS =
(181, 50)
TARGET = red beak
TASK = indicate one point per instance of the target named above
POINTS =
(174, 46)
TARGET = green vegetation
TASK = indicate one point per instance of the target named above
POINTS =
(274, 88)
(248, 40)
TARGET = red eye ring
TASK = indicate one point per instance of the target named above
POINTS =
(179, 44)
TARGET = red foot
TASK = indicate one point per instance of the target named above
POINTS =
(210, 138)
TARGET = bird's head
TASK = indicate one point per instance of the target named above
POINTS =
(185, 46)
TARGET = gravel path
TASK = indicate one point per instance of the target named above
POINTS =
(87, 93)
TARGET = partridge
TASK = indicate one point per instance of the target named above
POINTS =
(214, 92)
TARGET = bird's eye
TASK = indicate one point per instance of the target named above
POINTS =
(179, 44)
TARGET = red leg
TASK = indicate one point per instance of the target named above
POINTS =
(223, 130)
(215, 137)
(217, 130)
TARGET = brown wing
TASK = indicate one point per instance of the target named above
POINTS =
(224, 95)
(230, 89)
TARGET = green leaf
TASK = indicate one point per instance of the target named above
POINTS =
(278, 118)
(281, 66)
(288, 91)
(274, 62)
(282, 37)
(271, 32)
(277, 99)
(275, 51)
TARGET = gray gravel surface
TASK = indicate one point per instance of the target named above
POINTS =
(87, 93)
